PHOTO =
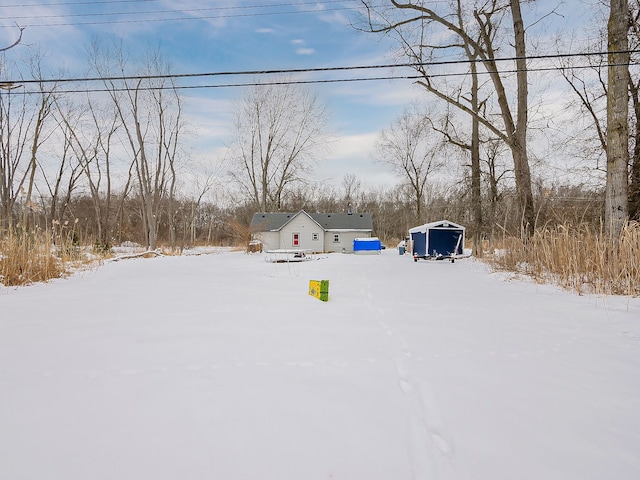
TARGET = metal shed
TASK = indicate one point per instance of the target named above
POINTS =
(437, 240)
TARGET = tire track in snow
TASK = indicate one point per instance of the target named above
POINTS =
(431, 448)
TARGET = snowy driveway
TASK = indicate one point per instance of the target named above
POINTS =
(222, 367)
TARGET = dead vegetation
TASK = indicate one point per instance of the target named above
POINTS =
(27, 258)
(578, 258)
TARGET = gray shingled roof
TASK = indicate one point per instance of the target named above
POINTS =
(265, 222)
(343, 221)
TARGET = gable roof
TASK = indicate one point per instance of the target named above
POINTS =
(344, 221)
(271, 222)
(440, 225)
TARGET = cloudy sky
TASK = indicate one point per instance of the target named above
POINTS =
(199, 36)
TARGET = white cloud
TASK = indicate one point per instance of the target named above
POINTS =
(380, 93)
(353, 154)
(305, 51)
(210, 118)
(350, 146)
(302, 50)
(335, 18)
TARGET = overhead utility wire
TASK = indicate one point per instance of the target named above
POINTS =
(108, 2)
(314, 70)
(203, 17)
(177, 19)
(58, 4)
(297, 82)
(185, 10)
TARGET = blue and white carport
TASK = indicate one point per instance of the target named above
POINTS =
(437, 240)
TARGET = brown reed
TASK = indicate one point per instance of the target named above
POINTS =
(27, 258)
(578, 258)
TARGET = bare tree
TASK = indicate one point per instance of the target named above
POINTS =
(150, 111)
(352, 187)
(22, 133)
(409, 148)
(12, 142)
(634, 91)
(15, 125)
(15, 43)
(591, 88)
(472, 146)
(90, 132)
(39, 134)
(616, 194)
(471, 28)
(279, 130)
(61, 181)
(203, 183)
(494, 174)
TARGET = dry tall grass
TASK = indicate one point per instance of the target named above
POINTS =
(579, 259)
(27, 258)
(241, 234)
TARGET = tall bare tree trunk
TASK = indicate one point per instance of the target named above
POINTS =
(33, 164)
(519, 146)
(634, 179)
(616, 194)
(476, 194)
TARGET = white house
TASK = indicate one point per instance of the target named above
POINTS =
(317, 232)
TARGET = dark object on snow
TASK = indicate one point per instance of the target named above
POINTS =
(437, 241)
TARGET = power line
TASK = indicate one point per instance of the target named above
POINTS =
(109, 2)
(56, 4)
(185, 11)
(293, 82)
(316, 69)
(180, 19)
(229, 7)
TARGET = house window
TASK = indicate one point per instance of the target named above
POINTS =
(296, 239)
(336, 238)
(314, 237)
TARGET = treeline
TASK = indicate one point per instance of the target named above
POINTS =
(194, 222)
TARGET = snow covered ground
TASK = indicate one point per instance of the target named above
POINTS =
(223, 367)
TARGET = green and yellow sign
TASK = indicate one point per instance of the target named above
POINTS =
(319, 289)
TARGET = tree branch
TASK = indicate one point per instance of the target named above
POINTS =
(21, 29)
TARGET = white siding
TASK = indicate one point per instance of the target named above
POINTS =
(345, 243)
(306, 228)
(270, 240)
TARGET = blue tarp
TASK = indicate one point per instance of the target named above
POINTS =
(367, 244)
